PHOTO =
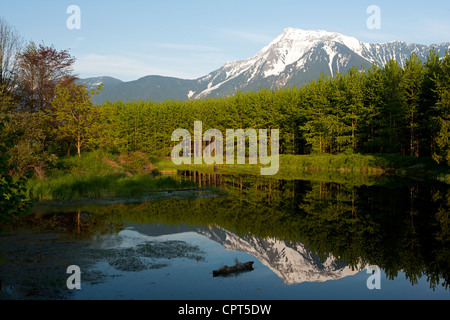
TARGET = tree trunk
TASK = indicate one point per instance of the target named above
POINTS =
(79, 147)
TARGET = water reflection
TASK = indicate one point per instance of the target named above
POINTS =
(293, 263)
(398, 225)
(303, 231)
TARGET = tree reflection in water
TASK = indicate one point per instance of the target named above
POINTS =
(397, 225)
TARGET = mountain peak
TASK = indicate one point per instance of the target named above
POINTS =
(293, 45)
(296, 34)
(293, 58)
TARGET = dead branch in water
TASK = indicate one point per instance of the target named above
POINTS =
(239, 267)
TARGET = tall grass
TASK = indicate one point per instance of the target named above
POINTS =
(350, 164)
(89, 163)
(71, 187)
(93, 176)
(341, 162)
(314, 162)
(103, 175)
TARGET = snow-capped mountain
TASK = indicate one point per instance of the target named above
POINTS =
(293, 263)
(298, 55)
(294, 57)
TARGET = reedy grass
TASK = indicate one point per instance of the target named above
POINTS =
(103, 175)
(92, 177)
(346, 165)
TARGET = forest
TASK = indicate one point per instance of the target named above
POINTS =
(46, 115)
(381, 110)
(390, 109)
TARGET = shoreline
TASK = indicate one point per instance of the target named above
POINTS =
(82, 180)
(45, 205)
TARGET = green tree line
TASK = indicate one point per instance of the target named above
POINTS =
(390, 109)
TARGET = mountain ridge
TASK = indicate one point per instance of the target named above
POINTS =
(293, 263)
(294, 57)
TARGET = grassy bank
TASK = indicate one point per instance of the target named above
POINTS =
(101, 175)
(348, 164)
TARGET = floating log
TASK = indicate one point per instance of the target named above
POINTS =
(239, 267)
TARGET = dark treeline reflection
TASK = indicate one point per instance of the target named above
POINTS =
(400, 227)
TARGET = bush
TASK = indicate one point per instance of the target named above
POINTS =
(13, 199)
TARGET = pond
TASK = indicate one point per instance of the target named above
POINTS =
(356, 239)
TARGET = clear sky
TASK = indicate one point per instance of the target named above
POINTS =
(190, 38)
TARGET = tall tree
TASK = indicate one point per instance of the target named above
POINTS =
(411, 86)
(429, 128)
(442, 113)
(41, 68)
(74, 114)
(10, 46)
(390, 110)
(354, 102)
(371, 121)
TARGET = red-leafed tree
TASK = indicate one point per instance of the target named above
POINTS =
(41, 68)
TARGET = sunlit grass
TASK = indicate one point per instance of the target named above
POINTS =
(347, 165)
(103, 175)
(92, 176)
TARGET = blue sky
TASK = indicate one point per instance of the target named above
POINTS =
(190, 38)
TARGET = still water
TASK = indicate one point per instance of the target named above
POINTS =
(308, 240)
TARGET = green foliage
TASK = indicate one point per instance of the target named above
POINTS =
(74, 187)
(411, 88)
(97, 175)
(442, 113)
(13, 200)
(75, 116)
(382, 110)
(388, 110)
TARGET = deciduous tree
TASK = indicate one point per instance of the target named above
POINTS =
(10, 47)
(41, 68)
(75, 115)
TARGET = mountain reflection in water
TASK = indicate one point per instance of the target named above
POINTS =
(303, 231)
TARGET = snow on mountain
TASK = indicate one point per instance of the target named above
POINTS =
(293, 58)
(293, 44)
(298, 51)
(93, 83)
(293, 263)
